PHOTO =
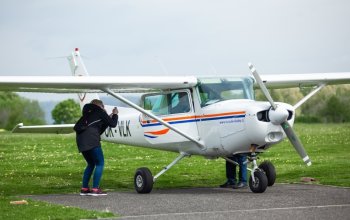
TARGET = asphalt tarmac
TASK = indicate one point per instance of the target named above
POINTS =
(281, 201)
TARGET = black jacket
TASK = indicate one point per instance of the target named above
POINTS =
(90, 137)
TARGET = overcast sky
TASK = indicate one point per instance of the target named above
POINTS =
(183, 37)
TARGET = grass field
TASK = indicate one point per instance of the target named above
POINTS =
(48, 164)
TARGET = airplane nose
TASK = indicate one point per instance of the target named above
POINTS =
(261, 129)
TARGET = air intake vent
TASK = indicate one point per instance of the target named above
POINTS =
(263, 116)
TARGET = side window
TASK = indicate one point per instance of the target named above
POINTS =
(157, 104)
(164, 104)
(179, 103)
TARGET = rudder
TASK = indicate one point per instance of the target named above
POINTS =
(78, 69)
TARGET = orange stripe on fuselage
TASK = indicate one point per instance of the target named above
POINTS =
(164, 131)
(195, 117)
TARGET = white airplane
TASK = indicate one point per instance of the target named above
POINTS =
(215, 117)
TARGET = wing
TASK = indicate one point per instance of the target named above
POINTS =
(74, 84)
(304, 80)
(49, 129)
(92, 84)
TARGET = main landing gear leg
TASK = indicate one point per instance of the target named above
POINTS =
(143, 180)
(258, 180)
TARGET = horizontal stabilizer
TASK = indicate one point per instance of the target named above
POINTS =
(48, 129)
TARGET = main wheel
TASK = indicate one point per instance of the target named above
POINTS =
(260, 184)
(143, 180)
(270, 172)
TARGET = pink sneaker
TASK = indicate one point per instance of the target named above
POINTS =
(97, 192)
(85, 192)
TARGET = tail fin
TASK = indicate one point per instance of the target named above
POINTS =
(78, 69)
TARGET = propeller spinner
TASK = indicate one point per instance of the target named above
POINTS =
(279, 115)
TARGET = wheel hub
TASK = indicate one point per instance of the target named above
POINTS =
(256, 183)
(139, 181)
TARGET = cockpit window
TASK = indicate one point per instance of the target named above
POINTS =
(170, 103)
(212, 90)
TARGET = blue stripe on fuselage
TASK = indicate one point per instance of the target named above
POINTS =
(149, 136)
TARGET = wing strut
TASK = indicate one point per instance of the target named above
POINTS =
(166, 124)
(313, 92)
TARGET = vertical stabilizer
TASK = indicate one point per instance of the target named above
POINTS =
(78, 69)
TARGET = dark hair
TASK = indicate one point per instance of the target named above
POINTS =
(97, 102)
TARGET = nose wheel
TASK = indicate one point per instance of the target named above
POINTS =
(261, 176)
(259, 184)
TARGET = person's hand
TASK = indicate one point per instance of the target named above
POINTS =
(115, 111)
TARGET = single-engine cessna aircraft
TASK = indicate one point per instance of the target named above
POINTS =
(214, 117)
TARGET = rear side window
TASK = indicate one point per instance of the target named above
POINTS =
(165, 104)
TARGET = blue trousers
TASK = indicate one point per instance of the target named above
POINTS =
(95, 161)
(231, 169)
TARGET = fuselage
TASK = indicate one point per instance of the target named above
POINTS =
(219, 112)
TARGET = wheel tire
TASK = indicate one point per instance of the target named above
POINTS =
(270, 172)
(260, 184)
(143, 180)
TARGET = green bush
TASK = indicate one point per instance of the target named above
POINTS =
(66, 112)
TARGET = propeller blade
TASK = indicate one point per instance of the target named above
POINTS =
(293, 138)
(262, 85)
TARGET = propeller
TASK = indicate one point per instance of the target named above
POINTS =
(279, 115)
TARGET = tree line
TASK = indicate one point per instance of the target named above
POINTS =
(330, 105)
(15, 109)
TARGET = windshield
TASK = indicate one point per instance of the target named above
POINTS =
(212, 90)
